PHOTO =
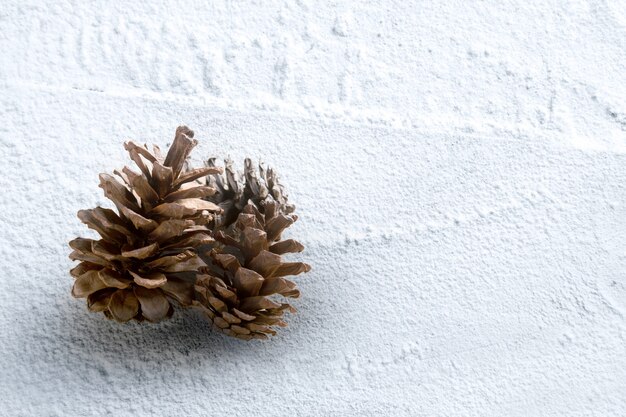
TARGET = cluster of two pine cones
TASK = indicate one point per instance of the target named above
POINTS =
(206, 237)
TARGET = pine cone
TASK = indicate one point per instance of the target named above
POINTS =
(234, 192)
(245, 269)
(146, 257)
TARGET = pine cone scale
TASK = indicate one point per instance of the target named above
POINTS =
(180, 149)
(123, 305)
(87, 283)
(139, 222)
(195, 174)
(154, 304)
(99, 300)
(141, 253)
(179, 290)
(113, 279)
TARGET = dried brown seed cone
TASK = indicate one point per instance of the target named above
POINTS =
(234, 191)
(146, 257)
(245, 269)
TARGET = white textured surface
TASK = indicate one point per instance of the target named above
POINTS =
(459, 170)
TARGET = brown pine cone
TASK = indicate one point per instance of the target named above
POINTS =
(146, 257)
(245, 269)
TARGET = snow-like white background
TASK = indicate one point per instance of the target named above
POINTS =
(459, 170)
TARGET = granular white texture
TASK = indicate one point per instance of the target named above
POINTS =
(459, 170)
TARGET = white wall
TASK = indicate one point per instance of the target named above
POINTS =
(459, 171)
